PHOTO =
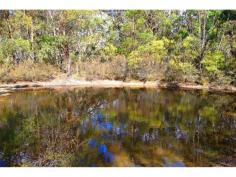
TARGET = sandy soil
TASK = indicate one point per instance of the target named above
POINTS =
(7, 88)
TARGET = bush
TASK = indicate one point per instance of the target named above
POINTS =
(49, 49)
(180, 71)
(29, 71)
(95, 69)
(119, 68)
(1, 56)
(21, 48)
(108, 52)
(190, 48)
(147, 69)
(4, 69)
(219, 78)
(155, 50)
(212, 63)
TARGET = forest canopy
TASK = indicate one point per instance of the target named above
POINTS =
(184, 46)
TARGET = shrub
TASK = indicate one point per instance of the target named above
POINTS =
(212, 63)
(29, 71)
(49, 49)
(180, 71)
(155, 50)
(190, 48)
(95, 69)
(223, 79)
(108, 52)
(119, 68)
(4, 69)
(21, 48)
(6, 49)
(147, 69)
(1, 56)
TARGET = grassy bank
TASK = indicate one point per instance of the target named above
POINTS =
(28, 71)
(194, 47)
(116, 69)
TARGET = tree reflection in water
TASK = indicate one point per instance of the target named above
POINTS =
(117, 127)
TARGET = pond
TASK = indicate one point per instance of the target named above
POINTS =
(96, 127)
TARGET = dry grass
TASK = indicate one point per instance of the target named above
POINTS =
(29, 71)
(4, 69)
(118, 69)
(147, 70)
(94, 70)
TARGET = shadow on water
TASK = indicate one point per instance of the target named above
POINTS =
(117, 127)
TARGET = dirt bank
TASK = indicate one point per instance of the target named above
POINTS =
(7, 88)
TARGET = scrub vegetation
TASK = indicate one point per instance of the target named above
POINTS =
(183, 46)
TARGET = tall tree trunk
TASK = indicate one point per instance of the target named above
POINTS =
(32, 43)
(67, 59)
(202, 36)
(6, 16)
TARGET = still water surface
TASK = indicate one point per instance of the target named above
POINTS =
(117, 127)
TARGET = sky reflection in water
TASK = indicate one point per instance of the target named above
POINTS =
(117, 127)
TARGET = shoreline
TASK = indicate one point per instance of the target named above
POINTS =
(5, 89)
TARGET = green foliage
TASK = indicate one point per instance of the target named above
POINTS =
(6, 49)
(190, 48)
(154, 49)
(109, 51)
(213, 62)
(180, 71)
(156, 43)
(50, 48)
(145, 36)
(21, 19)
(21, 45)
(214, 65)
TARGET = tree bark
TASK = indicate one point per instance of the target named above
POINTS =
(32, 43)
(67, 59)
(202, 36)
